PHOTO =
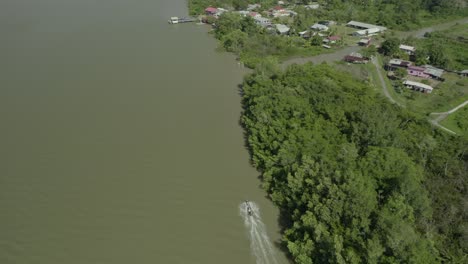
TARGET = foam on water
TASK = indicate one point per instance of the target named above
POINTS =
(259, 241)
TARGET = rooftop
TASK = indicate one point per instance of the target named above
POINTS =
(400, 62)
(418, 84)
(406, 47)
(364, 25)
(282, 28)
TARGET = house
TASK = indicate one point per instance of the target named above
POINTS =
(394, 64)
(367, 32)
(282, 29)
(278, 8)
(251, 7)
(463, 73)
(211, 11)
(361, 25)
(421, 87)
(262, 21)
(433, 72)
(312, 6)
(327, 23)
(355, 58)
(243, 13)
(305, 34)
(220, 11)
(282, 13)
(255, 14)
(408, 49)
(332, 39)
(319, 27)
(417, 71)
(364, 42)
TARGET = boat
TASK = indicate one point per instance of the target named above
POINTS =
(249, 208)
(173, 20)
(177, 20)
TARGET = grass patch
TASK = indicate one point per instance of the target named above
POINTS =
(457, 122)
(376, 81)
(444, 97)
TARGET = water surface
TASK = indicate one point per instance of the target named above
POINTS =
(120, 140)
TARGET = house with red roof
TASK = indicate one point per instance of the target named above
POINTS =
(211, 11)
(332, 39)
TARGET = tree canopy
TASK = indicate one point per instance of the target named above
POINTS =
(357, 179)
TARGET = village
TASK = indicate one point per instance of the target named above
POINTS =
(420, 78)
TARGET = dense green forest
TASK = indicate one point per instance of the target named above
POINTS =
(357, 179)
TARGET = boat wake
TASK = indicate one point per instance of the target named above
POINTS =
(259, 242)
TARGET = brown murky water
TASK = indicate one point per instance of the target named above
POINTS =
(120, 140)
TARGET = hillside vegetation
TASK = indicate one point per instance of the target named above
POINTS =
(358, 180)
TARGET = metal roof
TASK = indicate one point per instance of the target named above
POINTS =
(319, 27)
(433, 71)
(406, 47)
(365, 25)
(417, 84)
(282, 28)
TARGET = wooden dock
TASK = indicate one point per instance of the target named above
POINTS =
(177, 20)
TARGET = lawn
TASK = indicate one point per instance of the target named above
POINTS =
(448, 94)
(457, 122)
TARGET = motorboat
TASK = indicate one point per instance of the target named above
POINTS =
(249, 208)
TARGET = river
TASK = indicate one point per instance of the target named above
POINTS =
(120, 140)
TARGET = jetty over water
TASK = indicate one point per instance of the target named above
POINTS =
(177, 20)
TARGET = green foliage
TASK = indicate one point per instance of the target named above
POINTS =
(355, 176)
(390, 46)
(400, 73)
(369, 51)
(316, 40)
(445, 49)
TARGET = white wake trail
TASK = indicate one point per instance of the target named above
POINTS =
(260, 243)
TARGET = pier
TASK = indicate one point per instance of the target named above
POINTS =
(177, 20)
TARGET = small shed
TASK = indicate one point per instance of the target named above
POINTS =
(407, 49)
(319, 27)
(282, 29)
(364, 42)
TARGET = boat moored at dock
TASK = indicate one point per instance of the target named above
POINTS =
(177, 20)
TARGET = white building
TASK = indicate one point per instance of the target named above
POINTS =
(421, 87)
(282, 29)
(361, 25)
(367, 32)
(262, 21)
(319, 27)
(408, 49)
